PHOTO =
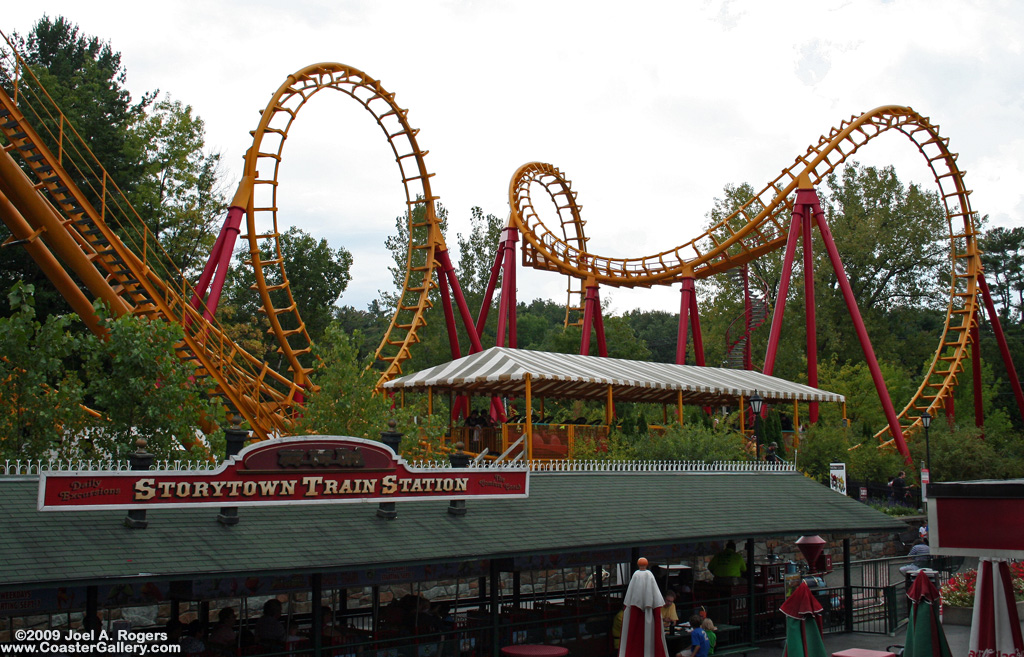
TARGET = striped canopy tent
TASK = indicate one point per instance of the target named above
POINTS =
(504, 372)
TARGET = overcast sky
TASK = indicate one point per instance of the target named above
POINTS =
(650, 108)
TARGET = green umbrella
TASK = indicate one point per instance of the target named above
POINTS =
(925, 636)
(803, 624)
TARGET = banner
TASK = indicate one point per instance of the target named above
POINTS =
(837, 477)
(297, 470)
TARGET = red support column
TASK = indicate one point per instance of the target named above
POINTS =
(1004, 349)
(780, 299)
(485, 305)
(449, 315)
(588, 316)
(698, 339)
(979, 406)
(507, 309)
(812, 325)
(441, 255)
(216, 269)
(462, 402)
(684, 319)
(602, 345)
(862, 334)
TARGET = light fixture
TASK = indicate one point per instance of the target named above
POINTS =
(756, 403)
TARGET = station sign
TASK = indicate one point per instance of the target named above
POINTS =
(297, 470)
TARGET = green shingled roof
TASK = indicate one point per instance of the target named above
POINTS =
(565, 512)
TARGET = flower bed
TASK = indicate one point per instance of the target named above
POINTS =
(959, 590)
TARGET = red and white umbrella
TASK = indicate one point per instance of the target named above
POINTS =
(995, 629)
(803, 624)
(642, 633)
(925, 636)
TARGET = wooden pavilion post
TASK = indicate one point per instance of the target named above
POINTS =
(430, 400)
(529, 418)
(679, 404)
(609, 408)
(743, 417)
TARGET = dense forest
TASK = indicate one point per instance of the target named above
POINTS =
(59, 380)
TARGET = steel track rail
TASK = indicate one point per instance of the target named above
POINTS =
(759, 227)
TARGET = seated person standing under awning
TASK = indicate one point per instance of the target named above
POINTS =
(728, 566)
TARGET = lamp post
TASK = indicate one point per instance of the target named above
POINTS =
(756, 403)
(926, 421)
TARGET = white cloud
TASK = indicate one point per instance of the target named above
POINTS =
(649, 109)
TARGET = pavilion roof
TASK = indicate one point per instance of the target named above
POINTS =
(503, 371)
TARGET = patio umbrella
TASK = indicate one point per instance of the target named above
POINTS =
(642, 634)
(925, 636)
(995, 628)
(803, 624)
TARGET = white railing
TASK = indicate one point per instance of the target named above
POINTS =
(34, 467)
(30, 467)
(658, 466)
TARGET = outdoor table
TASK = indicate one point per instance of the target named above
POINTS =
(859, 652)
(534, 650)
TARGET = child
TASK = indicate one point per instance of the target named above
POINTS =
(710, 629)
(699, 644)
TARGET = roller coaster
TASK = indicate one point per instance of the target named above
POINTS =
(60, 204)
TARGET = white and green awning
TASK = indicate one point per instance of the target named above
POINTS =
(502, 371)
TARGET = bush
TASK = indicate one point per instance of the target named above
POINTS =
(690, 443)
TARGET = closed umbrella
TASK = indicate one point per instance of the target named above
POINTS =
(995, 628)
(642, 634)
(803, 624)
(925, 636)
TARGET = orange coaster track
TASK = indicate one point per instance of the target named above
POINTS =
(260, 186)
(760, 226)
(61, 205)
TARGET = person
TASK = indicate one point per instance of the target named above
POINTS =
(709, 628)
(192, 641)
(922, 531)
(921, 554)
(269, 630)
(728, 566)
(329, 633)
(699, 644)
(771, 456)
(899, 488)
(669, 617)
(223, 636)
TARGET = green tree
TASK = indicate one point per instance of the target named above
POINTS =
(143, 390)
(317, 276)
(1002, 254)
(179, 196)
(40, 408)
(476, 254)
(344, 403)
(85, 77)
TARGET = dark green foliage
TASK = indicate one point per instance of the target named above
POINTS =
(39, 405)
(134, 379)
(137, 381)
(317, 275)
(179, 197)
(772, 428)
